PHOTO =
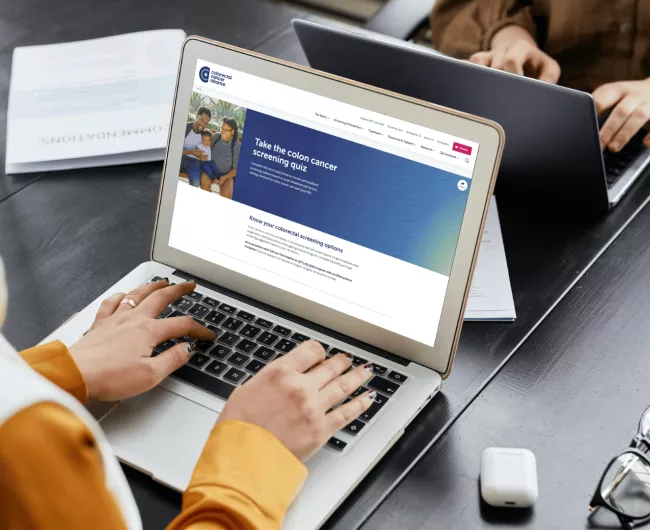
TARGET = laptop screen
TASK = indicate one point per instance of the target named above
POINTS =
(345, 207)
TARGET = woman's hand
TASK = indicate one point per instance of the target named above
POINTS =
(514, 50)
(292, 398)
(115, 355)
(631, 103)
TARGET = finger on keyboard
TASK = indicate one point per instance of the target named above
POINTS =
(153, 304)
(304, 356)
(345, 385)
(174, 327)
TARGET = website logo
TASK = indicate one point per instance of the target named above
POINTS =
(204, 74)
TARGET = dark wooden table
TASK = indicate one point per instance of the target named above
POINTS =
(573, 394)
(67, 236)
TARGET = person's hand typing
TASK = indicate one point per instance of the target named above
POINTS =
(630, 101)
(292, 398)
(114, 357)
(514, 50)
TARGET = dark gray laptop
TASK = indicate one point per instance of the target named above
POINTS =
(552, 132)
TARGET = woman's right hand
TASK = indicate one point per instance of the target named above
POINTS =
(514, 50)
(292, 398)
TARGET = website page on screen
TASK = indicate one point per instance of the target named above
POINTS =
(348, 208)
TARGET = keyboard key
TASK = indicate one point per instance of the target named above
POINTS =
(220, 351)
(379, 370)
(203, 345)
(337, 444)
(232, 324)
(264, 353)
(282, 330)
(250, 331)
(255, 366)
(204, 381)
(357, 361)
(245, 315)
(336, 351)
(195, 296)
(238, 359)
(198, 360)
(198, 321)
(176, 314)
(198, 311)
(214, 317)
(383, 385)
(210, 302)
(299, 337)
(227, 309)
(359, 391)
(325, 346)
(165, 312)
(354, 427)
(285, 345)
(247, 346)
(380, 401)
(396, 376)
(183, 304)
(155, 279)
(267, 338)
(263, 323)
(164, 346)
(216, 367)
(229, 339)
(216, 330)
(234, 375)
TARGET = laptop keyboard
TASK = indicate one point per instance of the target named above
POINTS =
(617, 163)
(246, 343)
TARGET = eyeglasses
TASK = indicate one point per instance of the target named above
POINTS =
(624, 488)
(226, 130)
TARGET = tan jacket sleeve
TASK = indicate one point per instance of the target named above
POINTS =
(461, 28)
(52, 474)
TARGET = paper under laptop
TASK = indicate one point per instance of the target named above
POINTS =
(91, 103)
(490, 296)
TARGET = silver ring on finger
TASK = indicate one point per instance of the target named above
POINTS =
(129, 301)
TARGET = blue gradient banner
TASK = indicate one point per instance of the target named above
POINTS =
(378, 200)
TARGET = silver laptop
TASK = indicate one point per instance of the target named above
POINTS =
(354, 220)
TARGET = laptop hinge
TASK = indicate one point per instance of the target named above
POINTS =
(294, 318)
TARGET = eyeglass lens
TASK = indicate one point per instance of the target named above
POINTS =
(626, 486)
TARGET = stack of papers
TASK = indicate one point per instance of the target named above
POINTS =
(92, 103)
(490, 296)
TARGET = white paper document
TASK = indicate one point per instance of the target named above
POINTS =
(91, 103)
(490, 296)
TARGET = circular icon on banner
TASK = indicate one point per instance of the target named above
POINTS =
(204, 74)
(462, 185)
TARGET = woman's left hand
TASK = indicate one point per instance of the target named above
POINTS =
(114, 357)
(631, 103)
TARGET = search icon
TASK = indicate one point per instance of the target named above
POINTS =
(467, 160)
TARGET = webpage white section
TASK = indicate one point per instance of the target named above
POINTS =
(379, 289)
(427, 146)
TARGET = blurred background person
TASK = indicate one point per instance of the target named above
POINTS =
(598, 46)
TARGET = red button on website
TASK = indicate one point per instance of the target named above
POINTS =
(461, 148)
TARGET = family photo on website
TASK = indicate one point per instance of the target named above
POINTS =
(212, 144)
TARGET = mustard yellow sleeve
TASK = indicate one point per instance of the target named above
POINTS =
(54, 362)
(51, 474)
(245, 479)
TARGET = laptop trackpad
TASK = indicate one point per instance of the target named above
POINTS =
(160, 433)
